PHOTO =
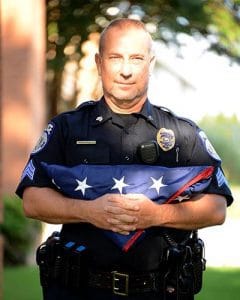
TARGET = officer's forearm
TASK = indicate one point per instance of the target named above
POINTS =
(202, 211)
(49, 206)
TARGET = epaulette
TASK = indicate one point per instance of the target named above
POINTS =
(167, 110)
(79, 107)
(170, 112)
(85, 104)
(189, 121)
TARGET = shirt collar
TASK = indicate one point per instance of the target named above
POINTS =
(147, 113)
(103, 113)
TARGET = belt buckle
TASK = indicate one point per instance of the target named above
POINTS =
(116, 283)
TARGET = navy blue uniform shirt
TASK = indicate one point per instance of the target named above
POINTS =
(93, 134)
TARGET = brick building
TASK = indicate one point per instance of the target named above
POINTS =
(22, 88)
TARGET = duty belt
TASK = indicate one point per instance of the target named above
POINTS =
(121, 283)
(67, 264)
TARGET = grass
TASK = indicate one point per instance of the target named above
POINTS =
(22, 283)
(220, 284)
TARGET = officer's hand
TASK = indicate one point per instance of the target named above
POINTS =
(142, 216)
(147, 212)
(113, 212)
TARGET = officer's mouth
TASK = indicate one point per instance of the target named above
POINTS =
(125, 85)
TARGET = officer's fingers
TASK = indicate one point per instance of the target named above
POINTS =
(124, 232)
(136, 197)
(122, 219)
(124, 227)
(128, 219)
(120, 231)
(122, 203)
(123, 215)
(113, 209)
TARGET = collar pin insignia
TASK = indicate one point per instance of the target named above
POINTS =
(99, 119)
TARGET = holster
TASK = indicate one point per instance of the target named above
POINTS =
(185, 263)
(198, 262)
(61, 263)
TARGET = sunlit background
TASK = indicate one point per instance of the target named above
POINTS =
(197, 82)
(47, 66)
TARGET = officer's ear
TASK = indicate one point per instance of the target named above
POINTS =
(152, 64)
(98, 63)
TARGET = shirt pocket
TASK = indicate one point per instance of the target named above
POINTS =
(85, 151)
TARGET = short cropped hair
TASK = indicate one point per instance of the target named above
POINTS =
(121, 23)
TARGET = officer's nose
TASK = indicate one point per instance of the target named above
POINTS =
(126, 70)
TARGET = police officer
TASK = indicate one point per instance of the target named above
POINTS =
(122, 128)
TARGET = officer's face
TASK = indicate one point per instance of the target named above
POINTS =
(125, 65)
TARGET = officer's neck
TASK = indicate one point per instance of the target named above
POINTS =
(125, 106)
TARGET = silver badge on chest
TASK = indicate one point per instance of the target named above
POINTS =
(166, 139)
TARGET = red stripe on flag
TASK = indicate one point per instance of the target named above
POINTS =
(203, 175)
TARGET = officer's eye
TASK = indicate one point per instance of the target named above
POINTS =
(114, 57)
(137, 59)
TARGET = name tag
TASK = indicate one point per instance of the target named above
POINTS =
(86, 142)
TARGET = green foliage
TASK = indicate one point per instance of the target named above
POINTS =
(216, 20)
(224, 133)
(69, 23)
(19, 232)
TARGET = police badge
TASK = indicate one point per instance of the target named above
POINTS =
(166, 139)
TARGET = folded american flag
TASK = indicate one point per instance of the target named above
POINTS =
(160, 184)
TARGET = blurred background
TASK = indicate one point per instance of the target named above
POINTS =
(47, 66)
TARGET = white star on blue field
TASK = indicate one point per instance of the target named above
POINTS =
(119, 185)
(155, 182)
(82, 185)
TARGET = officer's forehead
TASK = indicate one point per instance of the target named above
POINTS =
(118, 31)
(135, 34)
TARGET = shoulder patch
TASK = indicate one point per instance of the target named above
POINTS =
(208, 146)
(221, 179)
(43, 140)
